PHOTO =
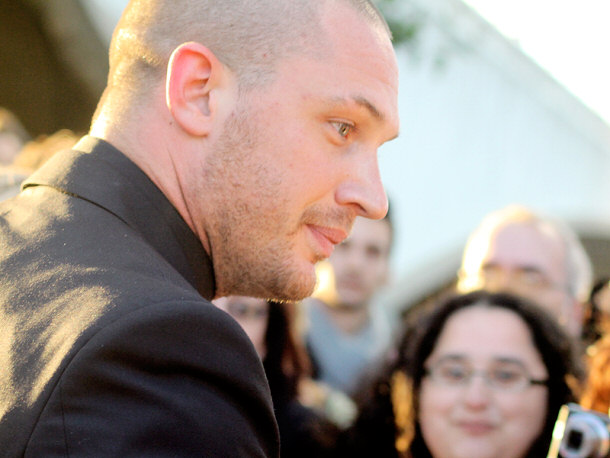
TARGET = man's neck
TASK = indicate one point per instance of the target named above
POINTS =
(350, 320)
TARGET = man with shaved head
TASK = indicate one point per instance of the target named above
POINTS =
(516, 250)
(232, 149)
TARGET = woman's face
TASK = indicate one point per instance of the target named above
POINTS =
(464, 416)
(602, 299)
(252, 314)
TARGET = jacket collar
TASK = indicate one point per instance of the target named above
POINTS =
(96, 171)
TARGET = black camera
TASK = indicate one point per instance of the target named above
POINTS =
(580, 433)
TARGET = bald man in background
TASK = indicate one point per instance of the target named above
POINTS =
(517, 250)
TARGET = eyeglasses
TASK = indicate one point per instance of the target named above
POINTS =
(524, 279)
(502, 375)
(239, 310)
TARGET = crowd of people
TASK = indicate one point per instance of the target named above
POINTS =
(148, 308)
(483, 370)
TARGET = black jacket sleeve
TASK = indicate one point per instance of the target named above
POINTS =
(164, 380)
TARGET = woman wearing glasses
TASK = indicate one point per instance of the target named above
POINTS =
(487, 374)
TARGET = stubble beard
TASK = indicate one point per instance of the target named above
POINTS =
(251, 242)
(257, 265)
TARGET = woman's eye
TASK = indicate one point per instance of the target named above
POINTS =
(343, 128)
(505, 375)
(453, 373)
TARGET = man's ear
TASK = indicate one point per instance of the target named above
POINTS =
(193, 75)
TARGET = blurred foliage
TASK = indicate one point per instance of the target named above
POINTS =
(409, 21)
(400, 16)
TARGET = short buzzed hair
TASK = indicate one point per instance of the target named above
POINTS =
(248, 36)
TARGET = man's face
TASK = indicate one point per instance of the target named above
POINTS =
(10, 144)
(526, 260)
(360, 263)
(297, 162)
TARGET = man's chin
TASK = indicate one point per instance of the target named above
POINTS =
(296, 288)
(350, 299)
(350, 306)
(293, 295)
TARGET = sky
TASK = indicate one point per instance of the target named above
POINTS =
(569, 38)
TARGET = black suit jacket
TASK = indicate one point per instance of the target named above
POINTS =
(107, 345)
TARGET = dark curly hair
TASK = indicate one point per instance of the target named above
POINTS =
(400, 381)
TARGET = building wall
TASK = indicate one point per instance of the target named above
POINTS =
(483, 128)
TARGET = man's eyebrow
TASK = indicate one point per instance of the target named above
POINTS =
(530, 268)
(363, 102)
(370, 107)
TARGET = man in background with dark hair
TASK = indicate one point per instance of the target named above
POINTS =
(347, 331)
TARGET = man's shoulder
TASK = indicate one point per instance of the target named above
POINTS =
(170, 362)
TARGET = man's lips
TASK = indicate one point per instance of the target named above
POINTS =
(327, 237)
(352, 283)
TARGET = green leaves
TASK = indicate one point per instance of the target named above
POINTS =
(403, 17)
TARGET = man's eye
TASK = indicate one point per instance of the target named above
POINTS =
(373, 252)
(343, 128)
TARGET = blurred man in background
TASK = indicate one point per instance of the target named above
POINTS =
(516, 250)
(347, 331)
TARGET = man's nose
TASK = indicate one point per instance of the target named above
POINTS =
(500, 281)
(362, 188)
